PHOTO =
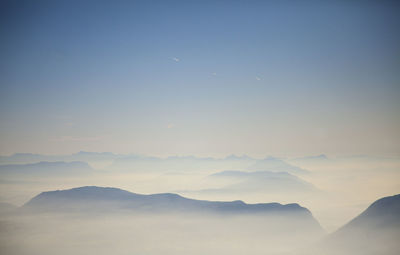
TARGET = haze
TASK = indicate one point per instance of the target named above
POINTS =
(259, 104)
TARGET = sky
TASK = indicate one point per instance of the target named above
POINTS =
(206, 78)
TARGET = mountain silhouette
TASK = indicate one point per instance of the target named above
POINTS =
(102, 200)
(375, 231)
(383, 213)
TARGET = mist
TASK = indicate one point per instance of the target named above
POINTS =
(199, 127)
(334, 189)
(150, 234)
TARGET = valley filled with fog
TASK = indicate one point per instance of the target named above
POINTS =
(332, 191)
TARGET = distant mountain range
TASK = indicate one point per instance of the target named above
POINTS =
(29, 158)
(135, 163)
(120, 162)
(46, 169)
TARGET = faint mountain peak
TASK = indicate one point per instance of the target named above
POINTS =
(318, 158)
(46, 169)
(235, 157)
(276, 165)
(247, 173)
(260, 181)
(270, 158)
(88, 153)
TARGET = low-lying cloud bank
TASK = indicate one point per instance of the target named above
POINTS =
(96, 220)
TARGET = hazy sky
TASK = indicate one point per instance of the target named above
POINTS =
(200, 77)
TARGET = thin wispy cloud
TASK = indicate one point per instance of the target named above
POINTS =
(258, 78)
(176, 59)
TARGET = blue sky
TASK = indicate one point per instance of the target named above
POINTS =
(209, 78)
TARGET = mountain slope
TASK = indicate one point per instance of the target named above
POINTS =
(375, 231)
(383, 213)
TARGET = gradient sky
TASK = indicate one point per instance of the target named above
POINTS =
(285, 78)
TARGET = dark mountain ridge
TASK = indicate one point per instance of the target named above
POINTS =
(375, 231)
(92, 199)
(383, 213)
